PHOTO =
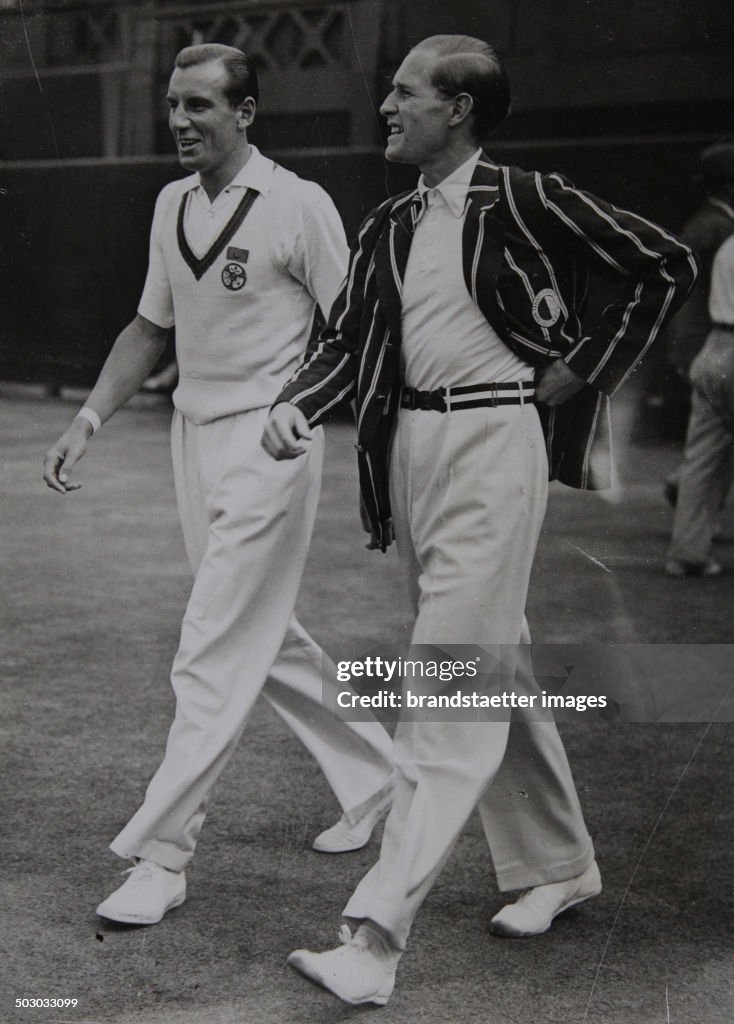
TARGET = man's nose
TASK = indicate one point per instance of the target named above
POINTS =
(178, 118)
(387, 106)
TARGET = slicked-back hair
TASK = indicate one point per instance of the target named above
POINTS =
(468, 65)
(240, 68)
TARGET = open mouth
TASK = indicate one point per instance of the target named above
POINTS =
(393, 129)
(187, 144)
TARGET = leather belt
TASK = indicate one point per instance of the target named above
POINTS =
(469, 396)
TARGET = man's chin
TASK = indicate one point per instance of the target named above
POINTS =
(188, 161)
(395, 156)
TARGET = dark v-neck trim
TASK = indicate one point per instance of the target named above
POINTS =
(200, 266)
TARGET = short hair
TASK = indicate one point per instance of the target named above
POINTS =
(240, 68)
(468, 65)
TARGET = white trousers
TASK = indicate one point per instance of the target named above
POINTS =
(469, 493)
(247, 523)
(704, 477)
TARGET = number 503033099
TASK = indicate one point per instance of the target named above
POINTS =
(45, 1002)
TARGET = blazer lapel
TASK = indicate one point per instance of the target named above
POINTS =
(483, 242)
(483, 245)
(391, 259)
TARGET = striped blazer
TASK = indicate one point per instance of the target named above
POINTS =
(530, 243)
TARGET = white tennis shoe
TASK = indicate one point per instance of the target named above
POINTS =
(361, 970)
(345, 836)
(148, 893)
(536, 909)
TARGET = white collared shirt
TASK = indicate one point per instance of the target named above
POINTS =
(243, 324)
(721, 295)
(204, 219)
(446, 339)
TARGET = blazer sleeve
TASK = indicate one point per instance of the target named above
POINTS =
(328, 375)
(654, 269)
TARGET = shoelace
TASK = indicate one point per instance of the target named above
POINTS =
(347, 939)
(374, 958)
(137, 872)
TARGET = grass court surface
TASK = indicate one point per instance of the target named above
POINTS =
(94, 586)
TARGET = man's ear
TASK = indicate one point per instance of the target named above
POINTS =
(461, 108)
(246, 112)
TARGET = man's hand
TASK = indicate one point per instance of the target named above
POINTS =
(557, 383)
(61, 458)
(286, 433)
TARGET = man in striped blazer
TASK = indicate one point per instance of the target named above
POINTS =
(459, 332)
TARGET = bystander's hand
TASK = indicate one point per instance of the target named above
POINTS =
(287, 433)
(63, 456)
(557, 383)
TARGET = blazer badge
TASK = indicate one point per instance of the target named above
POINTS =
(546, 308)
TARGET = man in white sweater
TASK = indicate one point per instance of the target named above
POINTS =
(241, 254)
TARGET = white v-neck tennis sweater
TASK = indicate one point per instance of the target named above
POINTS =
(242, 305)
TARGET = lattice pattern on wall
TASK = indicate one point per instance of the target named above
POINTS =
(297, 36)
